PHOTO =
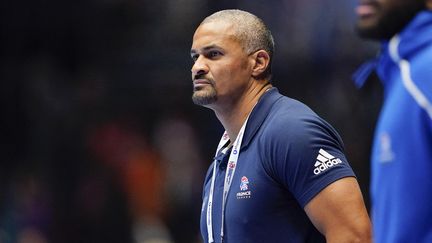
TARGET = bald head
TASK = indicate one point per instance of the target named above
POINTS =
(249, 30)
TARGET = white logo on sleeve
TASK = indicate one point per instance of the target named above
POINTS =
(325, 161)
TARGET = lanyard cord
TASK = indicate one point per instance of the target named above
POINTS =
(232, 165)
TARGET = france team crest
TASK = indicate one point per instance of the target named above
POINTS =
(244, 183)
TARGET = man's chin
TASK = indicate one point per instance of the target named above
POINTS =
(368, 32)
(203, 98)
(376, 32)
(368, 27)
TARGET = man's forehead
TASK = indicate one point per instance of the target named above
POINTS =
(218, 24)
(213, 34)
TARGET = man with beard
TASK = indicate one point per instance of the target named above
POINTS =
(401, 161)
(279, 173)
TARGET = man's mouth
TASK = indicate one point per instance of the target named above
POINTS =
(366, 9)
(197, 83)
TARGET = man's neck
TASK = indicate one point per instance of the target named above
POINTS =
(233, 117)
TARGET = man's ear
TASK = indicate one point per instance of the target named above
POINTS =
(261, 63)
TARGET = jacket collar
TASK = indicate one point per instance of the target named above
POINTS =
(259, 114)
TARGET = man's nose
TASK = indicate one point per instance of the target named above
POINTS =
(199, 67)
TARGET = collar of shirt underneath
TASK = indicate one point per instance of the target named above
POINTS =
(223, 155)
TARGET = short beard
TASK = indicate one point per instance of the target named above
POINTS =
(204, 98)
(391, 23)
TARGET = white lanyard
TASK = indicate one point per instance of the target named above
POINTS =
(232, 164)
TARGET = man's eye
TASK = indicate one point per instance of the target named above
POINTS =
(194, 57)
(215, 53)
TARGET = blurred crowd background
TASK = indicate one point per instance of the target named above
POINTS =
(99, 139)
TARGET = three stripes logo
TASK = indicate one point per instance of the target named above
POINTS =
(325, 161)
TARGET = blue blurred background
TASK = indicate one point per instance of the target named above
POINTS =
(100, 141)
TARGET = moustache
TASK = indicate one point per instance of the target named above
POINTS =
(201, 78)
